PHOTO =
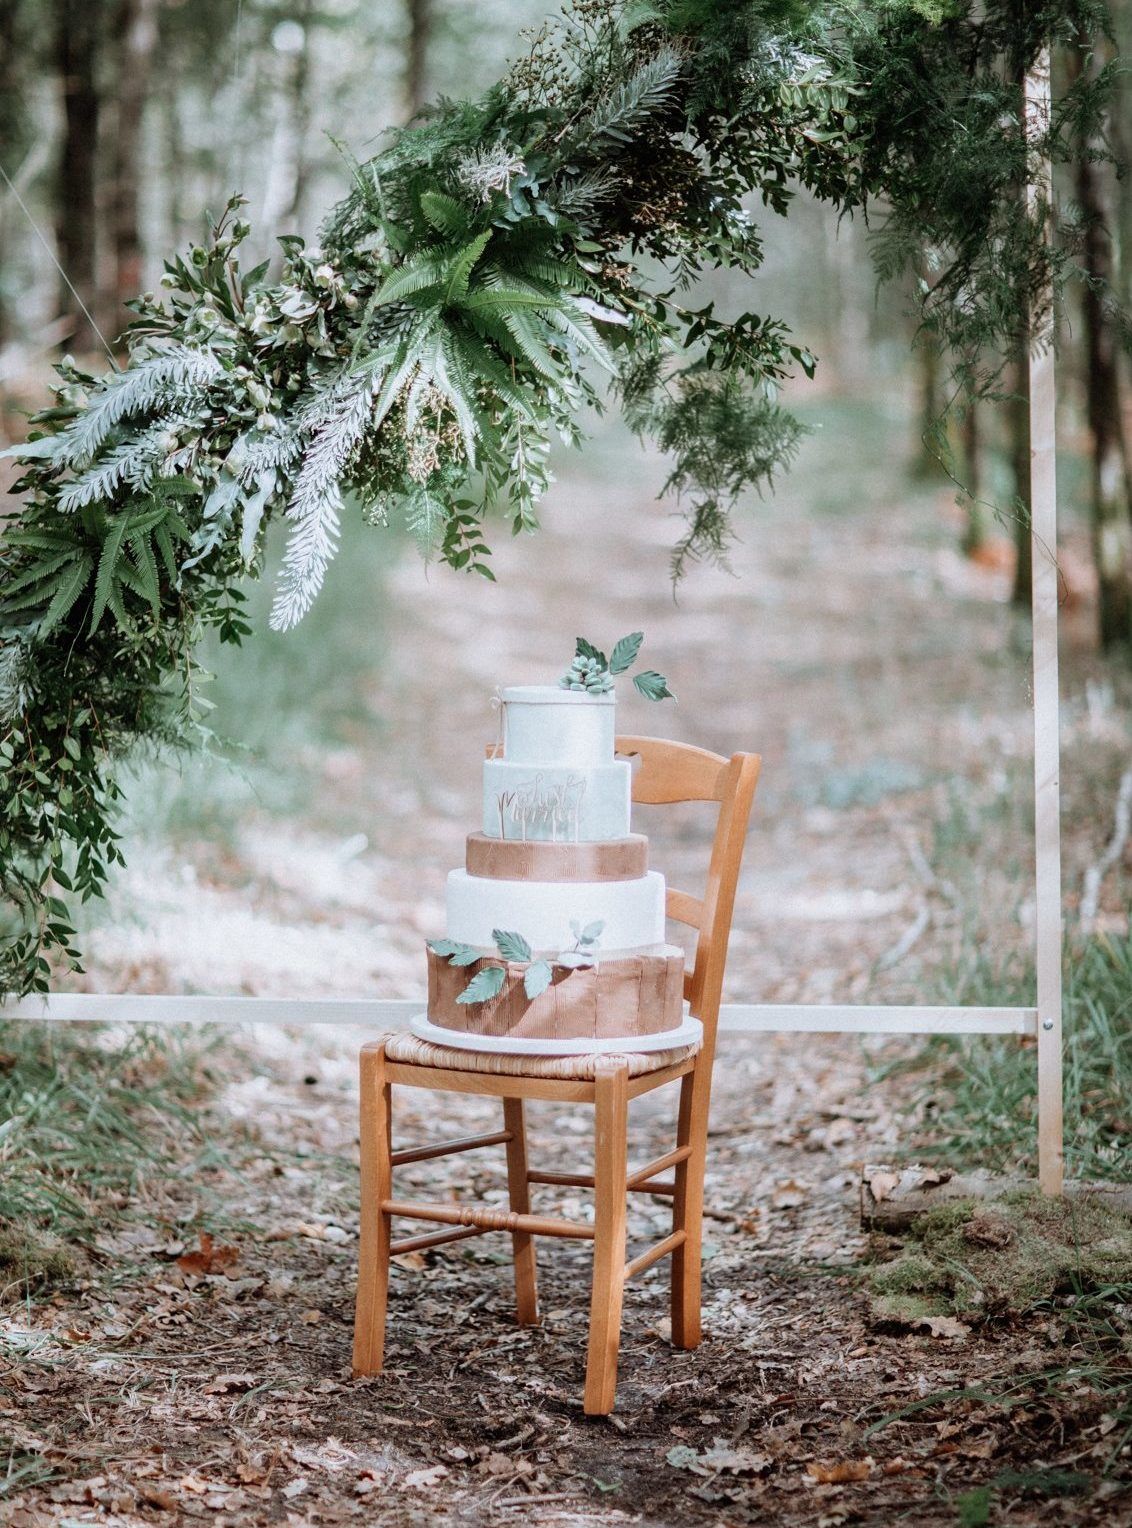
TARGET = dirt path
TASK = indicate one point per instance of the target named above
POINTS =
(877, 674)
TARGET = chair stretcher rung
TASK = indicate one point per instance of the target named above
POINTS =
(654, 1254)
(433, 1239)
(670, 1159)
(488, 1220)
(450, 1148)
(563, 1180)
(637, 1182)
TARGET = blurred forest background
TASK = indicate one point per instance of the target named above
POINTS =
(878, 628)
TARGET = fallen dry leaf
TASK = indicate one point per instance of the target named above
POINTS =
(224, 1384)
(208, 1258)
(840, 1472)
(421, 1480)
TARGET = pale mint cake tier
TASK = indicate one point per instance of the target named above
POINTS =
(556, 804)
(545, 724)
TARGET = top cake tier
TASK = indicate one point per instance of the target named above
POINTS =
(544, 724)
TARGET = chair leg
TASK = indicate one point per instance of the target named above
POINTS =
(611, 1126)
(376, 1185)
(522, 1242)
(688, 1208)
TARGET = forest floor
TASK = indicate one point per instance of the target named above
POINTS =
(198, 1368)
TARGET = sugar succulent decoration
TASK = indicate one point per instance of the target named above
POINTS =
(488, 982)
(592, 673)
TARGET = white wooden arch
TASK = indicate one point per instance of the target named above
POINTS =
(1043, 1020)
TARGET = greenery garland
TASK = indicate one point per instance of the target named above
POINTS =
(480, 277)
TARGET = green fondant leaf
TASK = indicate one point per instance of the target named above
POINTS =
(625, 653)
(510, 945)
(585, 649)
(536, 979)
(592, 932)
(456, 954)
(484, 985)
(653, 686)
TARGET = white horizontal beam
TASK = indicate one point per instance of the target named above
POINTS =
(873, 1019)
(734, 1018)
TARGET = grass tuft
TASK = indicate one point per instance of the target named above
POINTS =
(85, 1114)
(979, 1097)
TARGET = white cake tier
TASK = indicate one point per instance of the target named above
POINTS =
(544, 724)
(542, 911)
(556, 803)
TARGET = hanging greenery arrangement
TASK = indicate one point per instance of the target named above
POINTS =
(501, 267)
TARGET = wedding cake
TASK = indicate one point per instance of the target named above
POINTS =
(556, 924)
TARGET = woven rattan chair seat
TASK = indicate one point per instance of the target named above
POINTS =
(409, 1050)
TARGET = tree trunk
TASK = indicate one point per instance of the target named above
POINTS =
(136, 36)
(416, 55)
(76, 219)
(930, 410)
(13, 135)
(1111, 486)
(1018, 425)
(975, 530)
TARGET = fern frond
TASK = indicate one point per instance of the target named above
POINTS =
(107, 567)
(133, 463)
(67, 595)
(169, 378)
(625, 109)
(445, 214)
(317, 500)
(461, 266)
(419, 274)
(524, 330)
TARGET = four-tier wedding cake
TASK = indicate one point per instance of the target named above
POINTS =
(556, 925)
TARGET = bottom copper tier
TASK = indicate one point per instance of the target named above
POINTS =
(629, 995)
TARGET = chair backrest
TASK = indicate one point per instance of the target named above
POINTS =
(671, 772)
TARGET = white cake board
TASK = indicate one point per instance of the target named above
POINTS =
(690, 1032)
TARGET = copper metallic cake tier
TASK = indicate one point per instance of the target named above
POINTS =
(620, 997)
(508, 859)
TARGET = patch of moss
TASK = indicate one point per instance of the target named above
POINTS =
(1004, 1257)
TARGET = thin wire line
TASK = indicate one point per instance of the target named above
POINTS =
(53, 257)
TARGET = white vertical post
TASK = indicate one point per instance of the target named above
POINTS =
(1047, 798)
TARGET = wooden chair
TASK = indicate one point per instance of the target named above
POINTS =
(667, 772)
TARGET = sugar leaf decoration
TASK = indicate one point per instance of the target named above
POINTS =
(484, 985)
(510, 945)
(652, 686)
(454, 952)
(537, 978)
(625, 652)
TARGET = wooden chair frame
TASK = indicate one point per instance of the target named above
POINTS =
(667, 772)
